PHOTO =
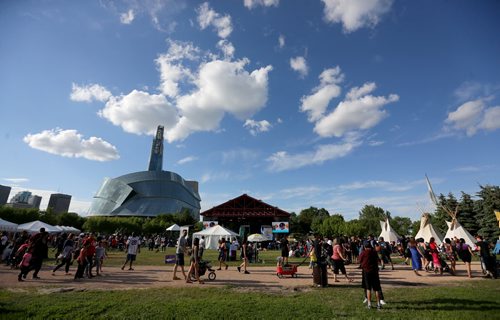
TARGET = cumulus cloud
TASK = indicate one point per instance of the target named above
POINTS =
(222, 86)
(316, 103)
(359, 111)
(282, 160)
(256, 127)
(227, 49)
(355, 14)
(69, 143)
(473, 116)
(140, 112)
(250, 4)
(187, 159)
(127, 17)
(209, 17)
(172, 72)
(89, 93)
(299, 64)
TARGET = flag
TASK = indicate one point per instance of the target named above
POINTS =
(497, 213)
(431, 192)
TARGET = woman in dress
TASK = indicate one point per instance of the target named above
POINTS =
(416, 257)
(435, 256)
(222, 254)
(465, 254)
(195, 262)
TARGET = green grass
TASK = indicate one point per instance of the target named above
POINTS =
(470, 300)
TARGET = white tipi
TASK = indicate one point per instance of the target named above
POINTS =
(455, 229)
(427, 230)
(387, 232)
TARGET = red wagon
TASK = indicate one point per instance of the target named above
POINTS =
(289, 269)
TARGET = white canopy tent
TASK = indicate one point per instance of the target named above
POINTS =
(257, 237)
(214, 234)
(427, 230)
(387, 232)
(35, 226)
(7, 226)
(174, 227)
(455, 229)
(68, 229)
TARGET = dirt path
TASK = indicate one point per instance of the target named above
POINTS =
(259, 279)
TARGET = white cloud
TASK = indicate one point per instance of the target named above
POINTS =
(227, 49)
(256, 127)
(240, 155)
(69, 143)
(208, 17)
(127, 17)
(281, 41)
(359, 111)
(316, 103)
(355, 14)
(222, 86)
(187, 159)
(282, 161)
(89, 93)
(16, 180)
(473, 116)
(299, 64)
(172, 72)
(140, 112)
(250, 4)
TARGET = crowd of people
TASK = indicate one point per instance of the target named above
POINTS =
(27, 252)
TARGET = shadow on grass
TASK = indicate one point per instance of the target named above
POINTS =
(449, 304)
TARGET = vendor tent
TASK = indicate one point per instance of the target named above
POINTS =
(35, 226)
(7, 226)
(174, 227)
(387, 232)
(214, 234)
(257, 237)
(427, 230)
(455, 229)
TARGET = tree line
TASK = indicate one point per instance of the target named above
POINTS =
(475, 214)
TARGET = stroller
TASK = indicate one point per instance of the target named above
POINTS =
(203, 267)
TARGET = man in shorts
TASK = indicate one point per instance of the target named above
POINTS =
(133, 248)
(179, 255)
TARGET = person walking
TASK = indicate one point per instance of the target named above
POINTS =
(179, 255)
(244, 257)
(465, 254)
(222, 254)
(435, 256)
(451, 255)
(338, 260)
(133, 245)
(194, 263)
(67, 254)
(39, 250)
(416, 258)
(368, 260)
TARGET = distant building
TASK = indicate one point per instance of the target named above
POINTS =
(25, 200)
(4, 194)
(59, 203)
(147, 193)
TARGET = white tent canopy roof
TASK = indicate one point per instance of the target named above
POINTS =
(214, 234)
(174, 227)
(35, 226)
(387, 232)
(427, 230)
(455, 229)
(7, 226)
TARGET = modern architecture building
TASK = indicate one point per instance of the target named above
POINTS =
(147, 193)
(4, 194)
(25, 200)
(59, 203)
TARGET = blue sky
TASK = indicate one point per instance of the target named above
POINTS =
(327, 103)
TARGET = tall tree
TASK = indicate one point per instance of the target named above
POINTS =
(370, 216)
(307, 216)
(487, 204)
(441, 215)
(401, 225)
(333, 226)
(467, 215)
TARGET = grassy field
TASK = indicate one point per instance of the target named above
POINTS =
(469, 300)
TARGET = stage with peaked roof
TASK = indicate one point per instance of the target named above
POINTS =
(245, 211)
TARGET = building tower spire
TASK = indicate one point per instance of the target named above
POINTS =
(156, 157)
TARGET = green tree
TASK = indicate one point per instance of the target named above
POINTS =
(415, 226)
(441, 214)
(402, 225)
(467, 215)
(306, 217)
(355, 227)
(370, 216)
(489, 201)
(332, 226)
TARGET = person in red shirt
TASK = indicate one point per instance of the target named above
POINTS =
(368, 259)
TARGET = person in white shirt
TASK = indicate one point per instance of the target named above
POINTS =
(133, 248)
